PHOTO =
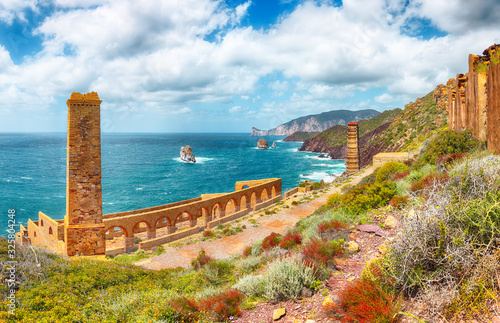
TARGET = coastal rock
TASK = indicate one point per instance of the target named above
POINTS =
(274, 145)
(187, 155)
(262, 144)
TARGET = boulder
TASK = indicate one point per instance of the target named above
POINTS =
(390, 222)
(187, 155)
(328, 301)
(352, 247)
(274, 145)
(262, 144)
(279, 313)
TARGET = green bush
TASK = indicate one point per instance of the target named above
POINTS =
(285, 279)
(251, 285)
(363, 198)
(389, 169)
(449, 142)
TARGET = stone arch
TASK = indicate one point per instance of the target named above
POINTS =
(253, 199)
(244, 202)
(264, 195)
(182, 217)
(245, 186)
(138, 225)
(202, 212)
(163, 221)
(231, 206)
(113, 227)
(216, 210)
(273, 191)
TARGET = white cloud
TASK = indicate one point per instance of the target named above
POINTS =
(238, 109)
(155, 55)
(11, 9)
(385, 98)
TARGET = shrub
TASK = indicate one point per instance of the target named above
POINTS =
(250, 264)
(208, 233)
(252, 285)
(365, 300)
(295, 203)
(247, 251)
(365, 197)
(219, 307)
(201, 260)
(333, 230)
(389, 169)
(428, 182)
(271, 241)
(399, 176)
(322, 252)
(449, 142)
(257, 248)
(290, 240)
(334, 200)
(445, 161)
(286, 278)
(399, 202)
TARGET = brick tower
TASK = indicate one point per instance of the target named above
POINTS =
(84, 228)
(352, 147)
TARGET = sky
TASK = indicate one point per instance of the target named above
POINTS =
(228, 65)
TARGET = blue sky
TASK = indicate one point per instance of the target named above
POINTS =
(225, 66)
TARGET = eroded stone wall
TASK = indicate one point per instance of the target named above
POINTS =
(352, 165)
(84, 227)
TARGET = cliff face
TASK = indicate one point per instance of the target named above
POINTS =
(316, 123)
(393, 130)
(187, 154)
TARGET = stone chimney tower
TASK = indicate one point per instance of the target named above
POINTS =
(84, 228)
(352, 147)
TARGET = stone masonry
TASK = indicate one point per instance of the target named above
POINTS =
(84, 227)
(352, 147)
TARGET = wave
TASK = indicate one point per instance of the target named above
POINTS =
(28, 178)
(317, 157)
(139, 188)
(318, 176)
(199, 160)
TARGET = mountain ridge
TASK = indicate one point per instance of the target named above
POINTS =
(316, 122)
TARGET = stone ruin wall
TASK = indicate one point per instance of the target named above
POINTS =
(352, 165)
(474, 99)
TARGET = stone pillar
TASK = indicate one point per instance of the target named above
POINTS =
(471, 96)
(171, 229)
(151, 234)
(84, 228)
(352, 147)
(493, 109)
(453, 111)
(482, 104)
(460, 102)
(129, 244)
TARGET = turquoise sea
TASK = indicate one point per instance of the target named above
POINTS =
(143, 170)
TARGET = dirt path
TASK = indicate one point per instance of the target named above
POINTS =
(226, 247)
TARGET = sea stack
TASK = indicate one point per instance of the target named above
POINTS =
(187, 155)
(274, 145)
(262, 144)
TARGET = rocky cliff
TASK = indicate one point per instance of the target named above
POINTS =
(187, 154)
(316, 123)
(393, 130)
(300, 136)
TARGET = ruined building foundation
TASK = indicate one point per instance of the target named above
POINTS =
(352, 147)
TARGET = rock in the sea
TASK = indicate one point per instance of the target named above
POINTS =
(187, 155)
(262, 144)
(274, 145)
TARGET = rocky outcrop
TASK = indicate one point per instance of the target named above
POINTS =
(187, 155)
(262, 144)
(316, 123)
(274, 145)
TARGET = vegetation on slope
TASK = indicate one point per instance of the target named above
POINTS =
(300, 136)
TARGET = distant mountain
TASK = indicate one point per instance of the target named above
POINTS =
(392, 130)
(317, 122)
